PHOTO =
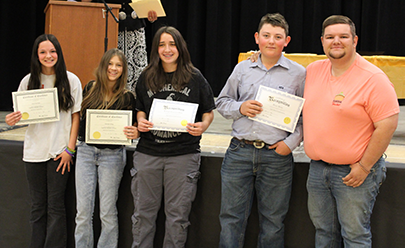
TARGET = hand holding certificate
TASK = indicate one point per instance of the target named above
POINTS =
(37, 106)
(142, 7)
(172, 115)
(107, 126)
(280, 109)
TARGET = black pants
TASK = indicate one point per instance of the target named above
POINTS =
(47, 192)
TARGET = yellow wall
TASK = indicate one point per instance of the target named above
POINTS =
(393, 66)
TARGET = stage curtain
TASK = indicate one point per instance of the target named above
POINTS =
(20, 23)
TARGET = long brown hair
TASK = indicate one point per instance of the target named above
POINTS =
(61, 80)
(155, 76)
(94, 98)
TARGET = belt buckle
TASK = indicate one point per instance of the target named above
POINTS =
(259, 144)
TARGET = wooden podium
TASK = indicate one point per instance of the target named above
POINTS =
(80, 29)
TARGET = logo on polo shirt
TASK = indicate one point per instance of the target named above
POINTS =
(338, 99)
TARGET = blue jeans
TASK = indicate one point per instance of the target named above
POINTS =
(48, 215)
(105, 167)
(246, 169)
(339, 211)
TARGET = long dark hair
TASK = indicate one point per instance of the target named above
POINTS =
(95, 97)
(61, 81)
(155, 76)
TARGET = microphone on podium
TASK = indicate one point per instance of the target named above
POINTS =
(122, 16)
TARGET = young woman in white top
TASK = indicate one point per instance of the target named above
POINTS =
(49, 147)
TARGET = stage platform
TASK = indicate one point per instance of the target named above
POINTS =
(387, 219)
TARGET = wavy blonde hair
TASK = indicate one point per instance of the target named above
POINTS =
(94, 98)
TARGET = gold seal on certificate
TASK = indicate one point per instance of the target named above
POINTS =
(280, 109)
(107, 126)
(172, 115)
(37, 106)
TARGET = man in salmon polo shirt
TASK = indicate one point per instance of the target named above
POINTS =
(350, 114)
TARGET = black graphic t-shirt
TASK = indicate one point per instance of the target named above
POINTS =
(166, 143)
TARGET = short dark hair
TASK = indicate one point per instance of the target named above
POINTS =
(339, 19)
(276, 20)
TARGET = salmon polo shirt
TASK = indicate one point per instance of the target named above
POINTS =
(339, 112)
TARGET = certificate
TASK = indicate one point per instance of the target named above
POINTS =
(37, 106)
(280, 109)
(172, 115)
(142, 7)
(107, 126)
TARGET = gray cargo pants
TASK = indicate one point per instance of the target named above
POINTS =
(176, 177)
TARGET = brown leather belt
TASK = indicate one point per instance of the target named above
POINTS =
(259, 144)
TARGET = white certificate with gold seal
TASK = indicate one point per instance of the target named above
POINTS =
(37, 106)
(172, 115)
(280, 109)
(105, 126)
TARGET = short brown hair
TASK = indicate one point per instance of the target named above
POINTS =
(276, 20)
(339, 19)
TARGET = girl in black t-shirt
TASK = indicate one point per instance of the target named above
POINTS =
(167, 162)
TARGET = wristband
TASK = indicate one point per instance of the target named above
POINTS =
(68, 152)
(71, 150)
